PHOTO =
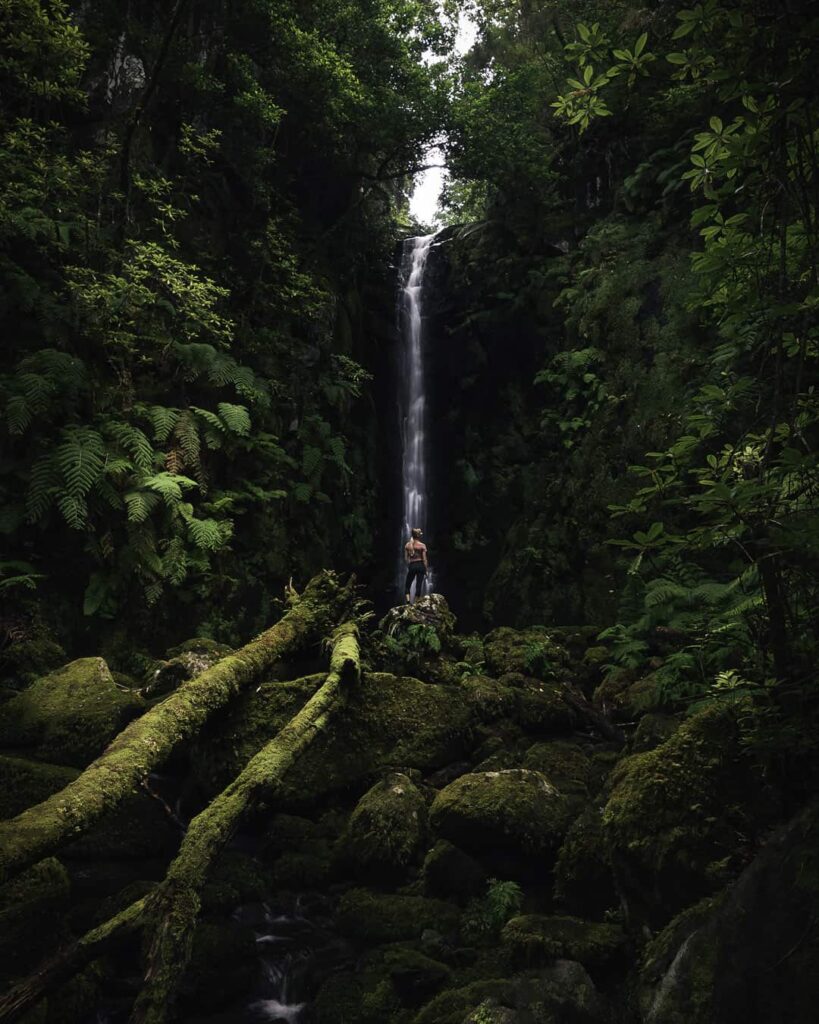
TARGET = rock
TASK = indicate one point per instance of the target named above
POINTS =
(415, 977)
(70, 716)
(625, 698)
(386, 722)
(490, 698)
(584, 883)
(564, 991)
(138, 829)
(453, 1006)
(542, 709)
(652, 730)
(186, 661)
(369, 918)
(749, 954)
(491, 1012)
(222, 966)
(516, 810)
(564, 763)
(534, 939)
(678, 816)
(32, 909)
(386, 829)
(24, 782)
(431, 611)
(450, 873)
(532, 652)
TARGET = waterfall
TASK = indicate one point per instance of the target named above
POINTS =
(412, 392)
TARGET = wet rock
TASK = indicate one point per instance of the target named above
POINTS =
(516, 810)
(69, 716)
(386, 829)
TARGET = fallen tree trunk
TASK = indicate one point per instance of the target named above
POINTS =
(70, 961)
(169, 914)
(172, 909)
(147, 741)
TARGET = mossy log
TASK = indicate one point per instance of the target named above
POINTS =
(69, 961)
(172, 909)
(146, 742)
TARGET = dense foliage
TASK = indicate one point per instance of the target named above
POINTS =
(197, 208)
(670, 152)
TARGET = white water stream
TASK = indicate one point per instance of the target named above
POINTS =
(412, 392)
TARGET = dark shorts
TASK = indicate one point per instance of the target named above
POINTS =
(416, 571)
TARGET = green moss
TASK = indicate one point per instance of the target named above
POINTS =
(652, 730)
(516, 809)
(24, 783)
(69, 716)
(563, 763)
(490, 699)
(221, 968)
(542, 709)
(452, 1006)
(449, 872)
(235, 878)
(369, 918)
(386, 829)
(185, 661)
(678, 814)
(533, 940)
(532, 651)
(31, 917)
(415, 977)
(584, 883)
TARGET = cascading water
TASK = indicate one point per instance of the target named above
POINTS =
(412, 393)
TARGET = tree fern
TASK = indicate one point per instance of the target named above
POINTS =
(170, 486)
(80, 458)
(134, 441)
(186, 433)
(43, 485)
(140, 504)
(162, 420)
(235, 417)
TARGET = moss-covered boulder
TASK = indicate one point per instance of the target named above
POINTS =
(388, 722)
(24, 782)
(185, 661)
(386, 829)
(431, 611)
(653, 729)
(371, 918)
(679, 816)
(533, 652)
(456, 1004)
(451, 873)
(750, 953)
(565, 764)
(32, 909)
(535, 939)
(414, 976)
(70, 716)
(584, 882)
(560, 992)
(221, 968)
(542, 709)
(517, 811)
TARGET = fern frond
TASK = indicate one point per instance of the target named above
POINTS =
(187, 434)
(205, 534)
(140, 504)
(235, 417)
(311, 461)
(74, 509)
(43, 485)
(134, 441)
(80, 458)
(169, 486)
(19, 415)
(209, 417)
(163, 421)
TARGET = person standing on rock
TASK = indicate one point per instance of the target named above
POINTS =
(415, 555)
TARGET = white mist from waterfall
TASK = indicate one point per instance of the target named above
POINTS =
(412, 392)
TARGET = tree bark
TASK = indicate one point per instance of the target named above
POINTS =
(146, 742)
(172, 909)
(68, 962)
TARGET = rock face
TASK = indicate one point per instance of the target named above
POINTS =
(516, 810)
(749, 954)
(386, 829)
(70, 716)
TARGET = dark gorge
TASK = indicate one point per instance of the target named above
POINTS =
(246, 350)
